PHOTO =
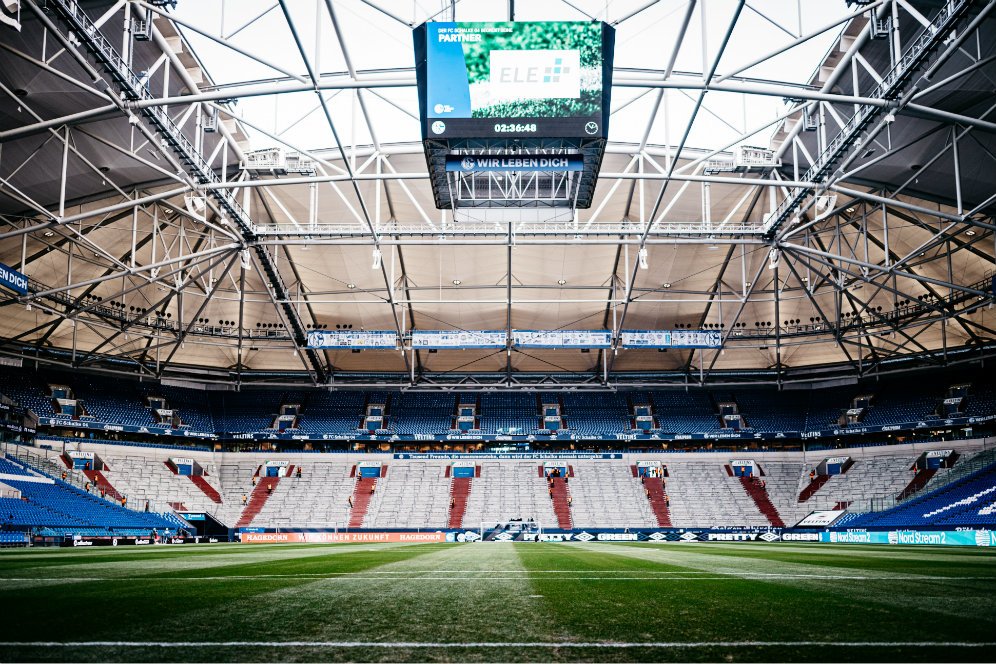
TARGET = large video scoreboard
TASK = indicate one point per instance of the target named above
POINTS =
(514, 79)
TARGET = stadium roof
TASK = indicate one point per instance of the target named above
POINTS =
(151, 250)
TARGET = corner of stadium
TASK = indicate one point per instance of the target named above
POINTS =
(467, 330)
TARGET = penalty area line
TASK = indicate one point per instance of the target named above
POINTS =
(498, 644)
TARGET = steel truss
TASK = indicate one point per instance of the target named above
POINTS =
(827, 231)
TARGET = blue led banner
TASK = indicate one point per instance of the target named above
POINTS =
(458, 339)
(671, 339)
(562, 338)
(501, 163)
(65, 422)
(922, 537)
(353, 339)
(543, 456)
(14, 280)
(561, 435)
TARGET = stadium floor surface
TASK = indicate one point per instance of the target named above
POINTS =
(499, 602)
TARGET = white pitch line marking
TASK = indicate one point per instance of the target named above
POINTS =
(346, 577)
(485, 644)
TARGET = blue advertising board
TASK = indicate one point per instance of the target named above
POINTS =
(14, 280)
(483, 163)
(561, 435)
(508, 455)
(918, 537)
(126, 428)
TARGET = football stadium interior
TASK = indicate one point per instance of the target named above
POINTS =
(497, 330)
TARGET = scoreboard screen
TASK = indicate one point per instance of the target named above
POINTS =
(514, 79)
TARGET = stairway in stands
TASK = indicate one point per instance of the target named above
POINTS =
(762, 501)
(100, 482)
(362, 493)
(459, 493)
(206, 488)
(917, 483)
(655, 489)
(257, 499)
(561, 508)
(813, 486)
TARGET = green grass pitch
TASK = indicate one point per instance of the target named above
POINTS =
(499, 602)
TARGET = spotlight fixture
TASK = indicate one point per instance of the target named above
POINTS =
(850, 209)
(457, 282)
(666, 285)
(350, 286)
(970, 232)
(51, 233)
(564, 281)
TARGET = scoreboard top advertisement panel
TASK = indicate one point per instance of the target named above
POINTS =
(514, 79)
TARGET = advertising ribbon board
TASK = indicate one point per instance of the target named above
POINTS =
(337, 538)
(13, 280)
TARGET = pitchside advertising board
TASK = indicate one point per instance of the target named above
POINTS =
(918, 537)
(986, 538)
(334, 538)
(514, 79)
(936, 538)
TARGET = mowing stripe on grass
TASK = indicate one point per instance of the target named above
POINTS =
(493, 644)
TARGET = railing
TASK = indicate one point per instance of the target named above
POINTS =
(887, 89)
